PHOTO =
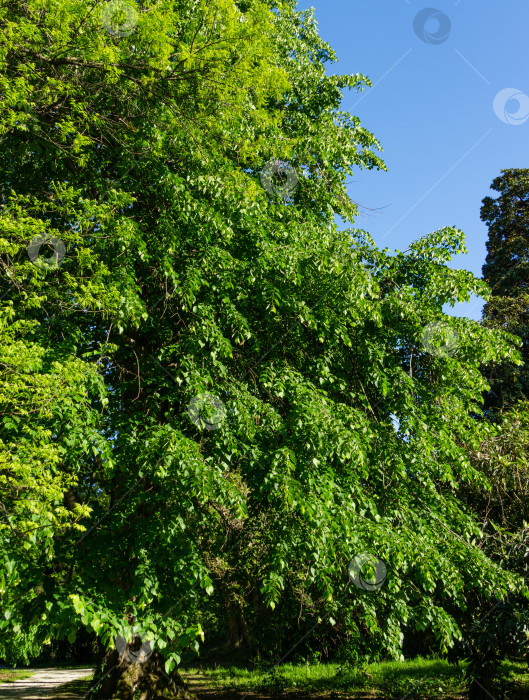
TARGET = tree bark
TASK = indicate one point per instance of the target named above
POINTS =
(124, 677)
(237, 627)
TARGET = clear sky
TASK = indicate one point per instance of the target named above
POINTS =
(432, 107)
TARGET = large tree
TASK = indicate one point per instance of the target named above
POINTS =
(506, 271)
(502, 455)
(218, 362)
(501, 629)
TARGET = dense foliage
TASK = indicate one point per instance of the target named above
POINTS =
(503, 456)
(506, 271)
(132, 501)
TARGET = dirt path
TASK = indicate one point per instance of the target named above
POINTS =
(41, 683)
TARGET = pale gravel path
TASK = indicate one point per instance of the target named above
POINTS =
(41, 683)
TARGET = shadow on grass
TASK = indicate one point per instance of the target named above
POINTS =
(390, 680)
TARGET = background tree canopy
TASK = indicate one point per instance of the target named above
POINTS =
(197, 398)
(506, 270)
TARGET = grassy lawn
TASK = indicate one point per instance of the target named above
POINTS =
(419, 678)
(8, 675)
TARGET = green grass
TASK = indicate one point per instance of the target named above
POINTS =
(8, 675)
(418, 678)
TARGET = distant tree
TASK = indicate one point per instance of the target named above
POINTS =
(506, 271)
(502, 630)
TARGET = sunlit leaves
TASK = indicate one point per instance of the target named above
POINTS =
(184, 277)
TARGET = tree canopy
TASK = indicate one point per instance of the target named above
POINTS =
(506, 271)
(197, 394)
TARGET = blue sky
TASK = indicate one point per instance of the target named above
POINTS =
(432, 109)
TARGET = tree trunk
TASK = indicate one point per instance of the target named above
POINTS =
(483, 686)
(479, 691)
(131, 677)
(237, 629)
